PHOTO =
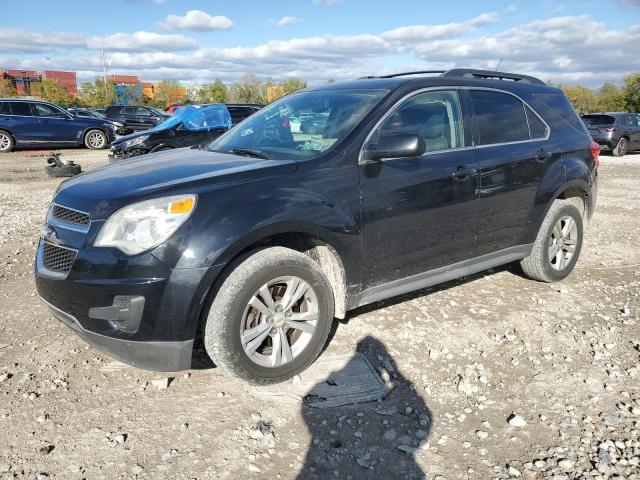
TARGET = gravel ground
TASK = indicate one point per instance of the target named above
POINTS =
(493, 376)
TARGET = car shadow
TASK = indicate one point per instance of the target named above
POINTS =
(369, 440)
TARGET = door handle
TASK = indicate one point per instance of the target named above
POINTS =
(542, 155)
(462, 173)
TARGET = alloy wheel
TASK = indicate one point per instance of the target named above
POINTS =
(622, 146)
(279, 321)
(564, 239)
(5, 142)
(96, 140)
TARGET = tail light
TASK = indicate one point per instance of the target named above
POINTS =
(608, 129)
(595, 152)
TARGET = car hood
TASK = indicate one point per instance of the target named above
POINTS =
(125, 138)
(185, 170)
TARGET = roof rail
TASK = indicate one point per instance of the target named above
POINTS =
(490, 74)
(393, 75)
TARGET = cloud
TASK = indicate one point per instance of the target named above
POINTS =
(511, 8)
(196, 20)
(281, 22)
(565, 49)
(327, 3)
(142, 42)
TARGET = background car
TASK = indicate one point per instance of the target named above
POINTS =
(240, 111)
(188, 126)
(29, 123)
(615, 131)
(136, 117)
(121, 128)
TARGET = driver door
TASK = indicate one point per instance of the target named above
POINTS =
(55, 125)
(420, 213)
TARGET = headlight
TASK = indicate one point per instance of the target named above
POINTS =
(118, 124)
(144, 225)
(135, 141)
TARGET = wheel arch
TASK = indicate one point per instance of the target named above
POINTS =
(15, 141)
(306, 241)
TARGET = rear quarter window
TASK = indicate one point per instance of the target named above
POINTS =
(560, 108)
(4, 108)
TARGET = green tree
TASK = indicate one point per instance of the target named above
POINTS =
(95, 94)
(169, 92)
(215, 92)
(583, 99)
(610, 98)
(51, 91)
(293, 84)
(632, 92)
(7, 88)
(247, 90)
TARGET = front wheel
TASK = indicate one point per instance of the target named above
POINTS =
(621, 147)
(558, 244)
(271, 316)
(95, 140)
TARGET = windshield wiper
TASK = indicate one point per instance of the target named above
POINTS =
(248, 152)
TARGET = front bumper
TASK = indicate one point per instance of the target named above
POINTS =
(158, 336)
(157, 356)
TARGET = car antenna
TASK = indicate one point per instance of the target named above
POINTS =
(499, 63)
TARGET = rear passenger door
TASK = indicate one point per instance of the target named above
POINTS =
(18, 119)
(420, 213)
(132, 120)
(512, 156)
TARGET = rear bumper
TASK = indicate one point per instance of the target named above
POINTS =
(157, 356)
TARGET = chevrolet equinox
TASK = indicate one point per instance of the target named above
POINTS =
(256, 242)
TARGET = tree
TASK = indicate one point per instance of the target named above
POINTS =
(96, 95)
(293, 84)
(583, 99)
(7, 88)
(610, 98)
(215, 92)
(51, 91)
(632, 92)
(169, 92)
(247, 90)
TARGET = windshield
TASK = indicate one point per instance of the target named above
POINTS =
(598, 119)
(301, 125)
(198, 118)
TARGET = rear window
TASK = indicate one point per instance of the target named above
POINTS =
(598, 119)
(20, 108)
(501, 117)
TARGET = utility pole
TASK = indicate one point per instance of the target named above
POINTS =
(104, 59)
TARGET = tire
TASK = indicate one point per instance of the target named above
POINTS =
(541, 264)
(66, 171)
(230, 311)
(621, 148)
(6, 141)
(95, 140)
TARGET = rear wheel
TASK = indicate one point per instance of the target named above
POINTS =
(95, 140)
(621, 147)
(270, 317)
(558, 244)
(6, 141)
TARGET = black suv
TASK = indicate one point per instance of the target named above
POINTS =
(615, 131)
(135, 117)
(259, 240)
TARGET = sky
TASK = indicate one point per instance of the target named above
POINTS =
(196, 41)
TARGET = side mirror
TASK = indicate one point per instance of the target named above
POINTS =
(399, 145)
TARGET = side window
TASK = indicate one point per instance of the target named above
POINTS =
(537, 129)
(4, 108)
(629, 120)
(21, 108)
(435, 116)
(638, 120)
(129, 111)
(42, 110)
(500, 117)
(143, 112)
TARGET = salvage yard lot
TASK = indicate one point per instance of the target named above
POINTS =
(463, 357)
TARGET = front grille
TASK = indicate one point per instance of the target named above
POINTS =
(67, 215)
(57, 259)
